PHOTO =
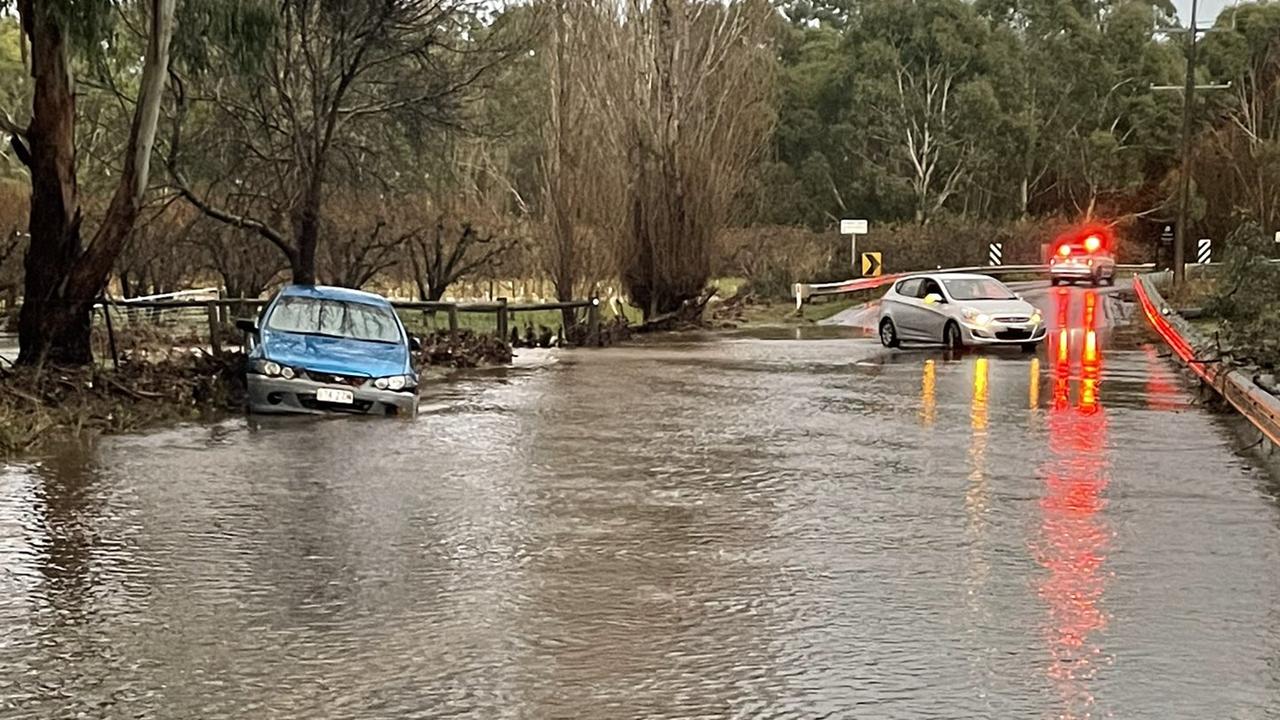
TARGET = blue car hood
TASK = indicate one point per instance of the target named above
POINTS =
(339, 356)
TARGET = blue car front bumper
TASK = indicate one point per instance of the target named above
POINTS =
(276, 395)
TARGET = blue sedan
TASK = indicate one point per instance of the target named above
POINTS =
(323, 349)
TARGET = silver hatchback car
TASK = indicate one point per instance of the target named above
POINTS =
(957, 310)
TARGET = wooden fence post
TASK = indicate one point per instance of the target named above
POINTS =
(502, 319)
(215, 343)
(453, 318)
(593, 322)
(111, 334)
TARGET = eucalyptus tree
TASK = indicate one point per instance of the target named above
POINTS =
(921, 78)
(64, 276)
(1240, 167)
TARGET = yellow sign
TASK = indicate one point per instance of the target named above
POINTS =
(871, 265)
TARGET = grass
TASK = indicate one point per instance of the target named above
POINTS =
(417, 321)
(1193, 293)
(783, 311)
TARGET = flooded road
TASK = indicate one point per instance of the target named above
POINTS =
(716, 527)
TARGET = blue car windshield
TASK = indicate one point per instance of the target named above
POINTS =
(334, 318)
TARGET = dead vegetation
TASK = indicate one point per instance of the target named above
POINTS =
(39, 404)
(462, 349)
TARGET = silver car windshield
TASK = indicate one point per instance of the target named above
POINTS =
(978, 289)
(334, 318)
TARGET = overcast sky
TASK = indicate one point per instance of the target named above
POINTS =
(1206, 10)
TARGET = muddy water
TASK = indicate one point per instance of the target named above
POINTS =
(718, 527)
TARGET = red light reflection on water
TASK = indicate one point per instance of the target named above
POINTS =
(1073, 538)
(1162, 393)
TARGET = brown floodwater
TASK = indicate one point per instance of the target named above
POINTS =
(718, 526)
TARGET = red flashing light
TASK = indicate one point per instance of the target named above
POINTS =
(1092, 243)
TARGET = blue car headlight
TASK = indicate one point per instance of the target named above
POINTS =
(394, 382)
(265, 367)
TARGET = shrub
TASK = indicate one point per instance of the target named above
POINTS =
(1245, 300)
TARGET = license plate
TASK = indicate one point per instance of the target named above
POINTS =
(333, 395)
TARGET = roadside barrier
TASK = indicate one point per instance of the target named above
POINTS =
(1258, 406)
(804, 291)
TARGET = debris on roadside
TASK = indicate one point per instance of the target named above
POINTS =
(462, 349)
(36, 405)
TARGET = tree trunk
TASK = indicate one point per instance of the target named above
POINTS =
(62, 282)
(50, 327)
(307, 231)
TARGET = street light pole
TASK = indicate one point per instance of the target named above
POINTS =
(1188, 90)
(1184, 181)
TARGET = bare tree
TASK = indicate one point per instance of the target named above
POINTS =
(442, 256)
(245, 266)
(578, 190)
(359, 245)
(335, 76)
(158, 257)
(688, 86)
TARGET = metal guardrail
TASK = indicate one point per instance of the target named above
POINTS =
(1258, 406)
(804, 291)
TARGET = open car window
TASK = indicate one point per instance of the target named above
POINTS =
(334, 318)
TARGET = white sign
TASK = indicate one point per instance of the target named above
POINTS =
(1204, 251)
(995, 253)
(853, 227)
(1278, 236)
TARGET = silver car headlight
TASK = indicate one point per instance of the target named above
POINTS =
(381, 383)
(975, 316)
(1036, 318)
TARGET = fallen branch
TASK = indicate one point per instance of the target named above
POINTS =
(688, 313)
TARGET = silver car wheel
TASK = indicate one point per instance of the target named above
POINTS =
(888, 333)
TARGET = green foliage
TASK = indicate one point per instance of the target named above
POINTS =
(1245, 298)
(242, 30)
(13, 87)
(1048, 110)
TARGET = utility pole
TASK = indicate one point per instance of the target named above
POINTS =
(1184, 180)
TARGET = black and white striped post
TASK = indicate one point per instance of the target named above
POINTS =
(995, 253)
(1204, 251)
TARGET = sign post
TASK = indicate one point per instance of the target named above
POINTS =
(1166, 241)
(853, 228)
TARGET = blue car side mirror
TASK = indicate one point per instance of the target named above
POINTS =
(414, 343)
(248, 325)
